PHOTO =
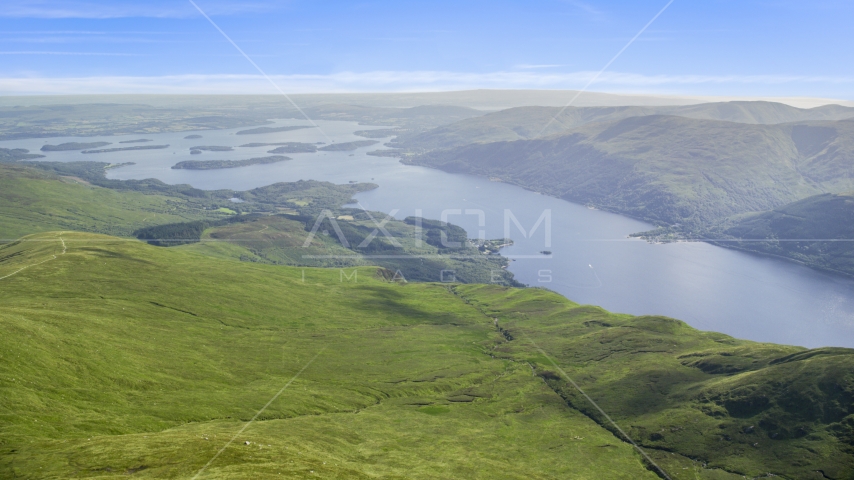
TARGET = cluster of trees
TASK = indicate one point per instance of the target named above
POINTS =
(445, 236)
(183, 233)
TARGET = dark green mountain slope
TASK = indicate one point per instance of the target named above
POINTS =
(818, 231)
(669, 169)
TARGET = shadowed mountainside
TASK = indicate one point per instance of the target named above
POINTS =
(817, 231)
(669, 169)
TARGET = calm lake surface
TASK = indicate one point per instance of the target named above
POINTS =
(592, 261)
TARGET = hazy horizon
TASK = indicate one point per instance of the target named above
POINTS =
(726, 49)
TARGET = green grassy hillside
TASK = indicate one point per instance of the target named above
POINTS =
(34, 201)
(669, 169)
(122, 359)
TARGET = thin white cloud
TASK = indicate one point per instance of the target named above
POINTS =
(380, 81)
(72, 39)
(583, 6)
(105, 54)
(525, 66)
(56, 9)
(89, 33)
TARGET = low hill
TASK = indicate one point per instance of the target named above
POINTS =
(669, 169)
(121, 358)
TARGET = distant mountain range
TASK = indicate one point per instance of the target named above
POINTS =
(525, 123)
(663, 168)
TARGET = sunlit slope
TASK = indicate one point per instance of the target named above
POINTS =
(738, 406)
(120, 358)
(34, 201)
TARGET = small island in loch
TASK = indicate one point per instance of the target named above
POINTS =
(260, 130)
(217, 164)
(64, 147)
(348, 146)
(212, 148)
(124, 149)
(295, 147)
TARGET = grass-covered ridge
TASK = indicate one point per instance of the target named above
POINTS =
(34, 201)
(121, 358)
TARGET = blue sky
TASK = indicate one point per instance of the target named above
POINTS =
(714, 47)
